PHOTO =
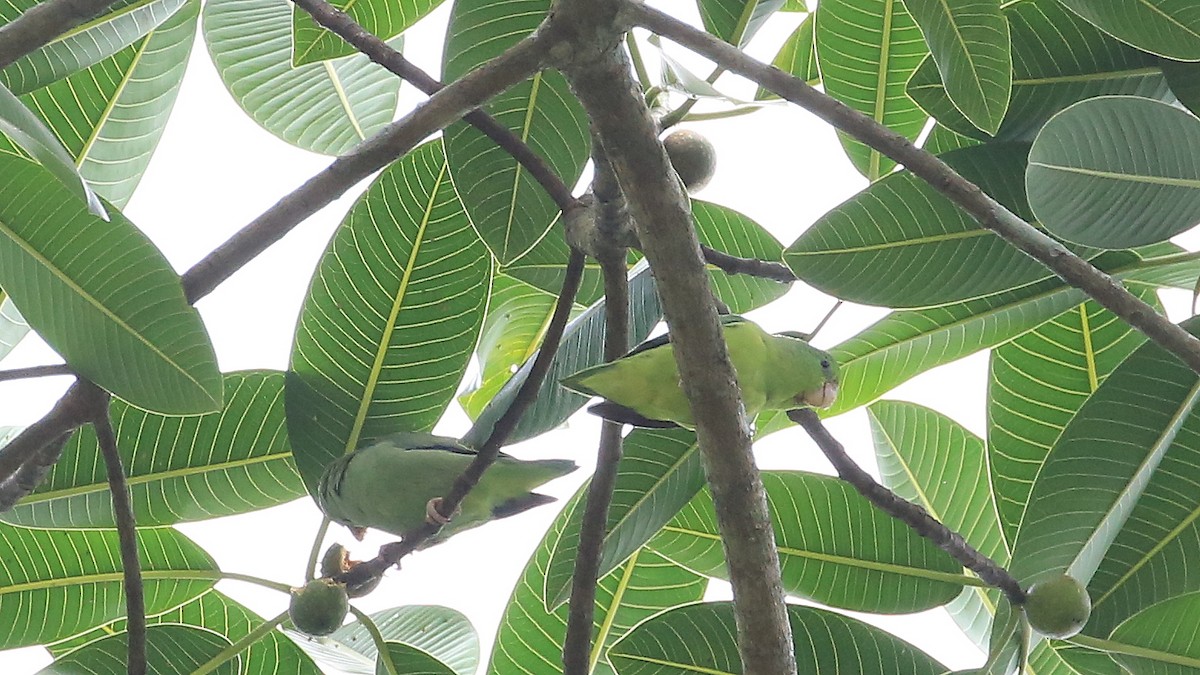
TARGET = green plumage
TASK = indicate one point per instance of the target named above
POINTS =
(776, 372)
(386, 485)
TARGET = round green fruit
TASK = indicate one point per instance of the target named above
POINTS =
(320, 607)
(1058, 607)
(693, 157)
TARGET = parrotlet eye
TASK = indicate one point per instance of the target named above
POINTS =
(824, 363)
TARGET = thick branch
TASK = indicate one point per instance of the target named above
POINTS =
(577, 647)
(452, 102)
(35, 371)
(42, 23)
(31, 473)
(390, 554)
(600, 75)
(764, 269)
(990, 213)
(135, 602)
(69, 413)
(905, 511)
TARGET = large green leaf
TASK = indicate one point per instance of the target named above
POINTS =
(1184, 80)
(817, 521)
(901, 243)
(111, 115)
(18, 125)
(179, 468)
(1058, 59)
(582, 346)
(727, 230)
(736, 21)
(659, 472)
(797, 56)
(867, 50)
(325, 107)
(102, 295)
(272, 654)
(170, 650)
(1169, 28)
(312, 43)
(391, 316)
(545, 265)
(1134, 181)
(57, 583)
(969, 42)
(443, 633)
(91, 42)
(702, 639)
(934, 462)
(1099, 468)
(1036, 384)
(1160, 639)
(508, 208)
(530, 637)
(410, 660)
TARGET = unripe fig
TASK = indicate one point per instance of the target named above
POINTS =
(1058, 607)
(693, 157)
(319, 608)
(336, 561)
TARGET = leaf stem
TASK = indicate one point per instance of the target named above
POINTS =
(385, 655)
(242, 644)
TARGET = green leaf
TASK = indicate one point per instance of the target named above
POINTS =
(1169, 28)
(702, 639)
(412, 661)
(20, 125)
(736, 21)
(1098, 469)
(517, 318)
(327, 107)
(393, 312)
(1058, 59)
(582, 346)
(969, 42)
(170, 650)
(313, 43)
(727, 230)
(65, 582)
(179, 468)
(441, 632)
(1036, 383)
(545, 265)
(816, 519)
(797, 57)
(942, 140)
(89, 43)
(1160, 639)
(12, 325)
(1184, 80)
(867, 50)
(111, 115)
(102, 295)
(508, 208)
(659, 472)
(920, 248)
(530, 637)
(1135, 181)
(932, 461)
(273, 654)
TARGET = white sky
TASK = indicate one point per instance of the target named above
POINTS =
(215, 170)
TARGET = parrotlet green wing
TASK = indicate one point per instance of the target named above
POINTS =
(386, 485)
(776, 372)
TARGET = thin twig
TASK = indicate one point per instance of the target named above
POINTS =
(987, 211)
(577, 647)
(390, 554)
(31, 473)
(35, 371)
(763, 269)
(380, 52)
(825, 319)
(241, 645)
(905, 511)
(43, 22)
(385, 655)
(135, 602)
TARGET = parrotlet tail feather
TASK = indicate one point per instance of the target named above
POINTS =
(521, 504)
(615, 412)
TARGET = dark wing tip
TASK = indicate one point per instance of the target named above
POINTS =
(615, 412)
(520, 504)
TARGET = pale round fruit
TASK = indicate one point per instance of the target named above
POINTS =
(693, 157)
(319, 608)
(1058, 607)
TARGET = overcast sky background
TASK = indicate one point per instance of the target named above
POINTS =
(215, 170)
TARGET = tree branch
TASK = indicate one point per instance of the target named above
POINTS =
(31, 473)
(600, 76)
(763, 269)
(390, 554)
(987, 211)
(69, 413)
(577, 647)
(905, 511)
(43, 22)
(35, 371)
(135, 602)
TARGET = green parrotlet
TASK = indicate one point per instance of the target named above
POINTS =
(775, 372)
(397, 482)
